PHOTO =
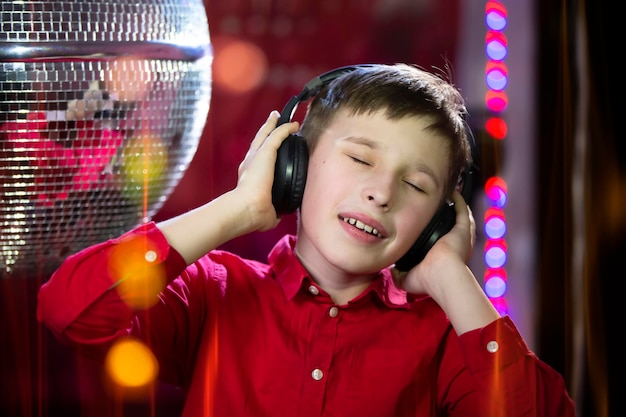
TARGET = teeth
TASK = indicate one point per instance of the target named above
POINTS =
(360, 225)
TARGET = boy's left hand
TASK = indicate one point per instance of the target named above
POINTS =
(444, 275)
(446, 260)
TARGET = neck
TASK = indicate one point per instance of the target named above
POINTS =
(340, 286)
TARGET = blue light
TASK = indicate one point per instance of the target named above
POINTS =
(495, 20)
(495, 228)
(495, 287)
(496, 50)
(496, 80)
(495, 257)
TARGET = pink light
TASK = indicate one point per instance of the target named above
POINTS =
(496, 191)
(497, 101)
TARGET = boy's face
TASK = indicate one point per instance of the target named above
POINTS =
(368, 172)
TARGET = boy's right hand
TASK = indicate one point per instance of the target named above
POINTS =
(247, 208)
(256, 172)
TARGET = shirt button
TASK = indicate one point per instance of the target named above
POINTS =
(150, 256)
(493, 346)
(313, 290)
(317, 374)
(333, 312)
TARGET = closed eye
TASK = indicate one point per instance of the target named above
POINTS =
(415, 187)
(359, 161)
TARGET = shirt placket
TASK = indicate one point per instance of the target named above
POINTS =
(319, 359)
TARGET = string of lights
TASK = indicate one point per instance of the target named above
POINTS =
(496, 101)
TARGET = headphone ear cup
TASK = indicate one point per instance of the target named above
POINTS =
(290, 173)
(441, 223)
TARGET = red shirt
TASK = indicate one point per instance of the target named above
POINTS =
(244, 338)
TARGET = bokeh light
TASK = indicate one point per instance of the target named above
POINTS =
(495, 282)
(240, 66)
(496, 46)
(495, 15)
(496, 76)
(496, 101)
(496, 191)
(145, 165)
(495, 223)
(131, 364)
(139, 278)
(495, 253)
(496, 127)
(127, 79)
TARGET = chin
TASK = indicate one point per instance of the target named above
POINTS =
(358, 268)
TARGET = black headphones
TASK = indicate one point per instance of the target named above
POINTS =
(292, 164)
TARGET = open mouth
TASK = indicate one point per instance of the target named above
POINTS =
(362, 226)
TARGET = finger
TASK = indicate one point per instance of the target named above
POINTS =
(265, 130)
(464, 217)
(472, 225)
(465, 220)
(460, 205)
(279, 134)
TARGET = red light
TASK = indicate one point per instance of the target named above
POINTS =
(494, 212)
(496, 128)
(495, 272)
(493, 35)
(496, 182)
(496, 65)
(495, 6)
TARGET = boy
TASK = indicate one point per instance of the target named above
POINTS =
(328, 327)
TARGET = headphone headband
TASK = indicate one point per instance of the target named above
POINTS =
(313, 87)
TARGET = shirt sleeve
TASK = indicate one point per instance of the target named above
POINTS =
(97, 280)
(509, 376)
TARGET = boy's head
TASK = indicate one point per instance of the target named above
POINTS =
(399, 90)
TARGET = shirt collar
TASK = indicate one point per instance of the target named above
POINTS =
(290, 274)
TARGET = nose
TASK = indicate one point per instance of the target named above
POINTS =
(379, 190)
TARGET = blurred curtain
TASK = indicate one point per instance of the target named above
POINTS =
(581, 200)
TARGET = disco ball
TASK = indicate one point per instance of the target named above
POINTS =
(102, 108)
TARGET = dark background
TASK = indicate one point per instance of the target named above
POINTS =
(39, 377)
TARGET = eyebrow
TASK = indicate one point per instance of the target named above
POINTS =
(360, 140)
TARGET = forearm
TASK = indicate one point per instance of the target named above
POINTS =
(463, 300)
(203, 229)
